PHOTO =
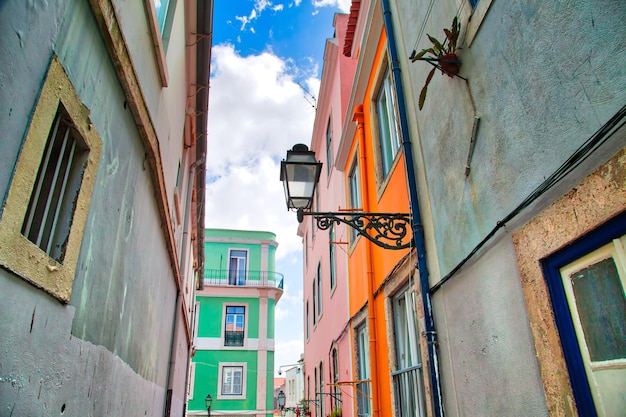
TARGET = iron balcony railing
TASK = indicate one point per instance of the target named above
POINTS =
(409, 392)
(233, 338)
(225, 277)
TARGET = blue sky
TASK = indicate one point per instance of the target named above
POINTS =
(266, 64)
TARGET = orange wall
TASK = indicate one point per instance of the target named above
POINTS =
(365, 256)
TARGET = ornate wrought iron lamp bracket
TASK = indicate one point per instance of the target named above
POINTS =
(387, 230)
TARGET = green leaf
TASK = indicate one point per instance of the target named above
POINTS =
(421, 54)
(425, 88)
(437, 45)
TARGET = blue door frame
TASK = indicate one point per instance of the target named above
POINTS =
(551, 265)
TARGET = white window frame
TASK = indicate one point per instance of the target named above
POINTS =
(354, 192)
(221, 367)
(329, 146)
(388, 134)
(471, 18)
(332, 258)
(615, 251)
(246, 269)
(191, 381)
(320, 293)
(157, 35)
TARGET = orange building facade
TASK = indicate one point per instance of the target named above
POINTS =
(384, 297)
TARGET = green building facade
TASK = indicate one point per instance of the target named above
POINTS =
(234, 325)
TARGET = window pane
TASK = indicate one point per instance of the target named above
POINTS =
(387, 128)
(602, 309)
(161, 10)
(232, 379)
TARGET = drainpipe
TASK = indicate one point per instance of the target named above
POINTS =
(179, 302)
(369, 269)
(418, 230)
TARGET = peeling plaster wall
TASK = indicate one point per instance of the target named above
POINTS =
(107, 351)
(543, 77)
(45, 370)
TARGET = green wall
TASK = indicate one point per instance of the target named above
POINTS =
(207, 370)
(210, 317)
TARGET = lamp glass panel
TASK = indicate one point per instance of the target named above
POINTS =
(300, 181)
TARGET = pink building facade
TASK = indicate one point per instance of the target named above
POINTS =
(327, 347)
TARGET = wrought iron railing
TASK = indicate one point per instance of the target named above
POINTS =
(409, 392)
(363, 399)
(233, 338)
(225, 277)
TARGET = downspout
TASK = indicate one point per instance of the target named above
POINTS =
(183, 272)
(418, 230)
(204, 25)
(369, 269)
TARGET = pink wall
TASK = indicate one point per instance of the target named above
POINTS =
(331, 331)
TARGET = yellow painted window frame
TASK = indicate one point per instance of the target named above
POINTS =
(17, 253)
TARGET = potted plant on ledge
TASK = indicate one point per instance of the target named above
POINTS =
(442, 56)
(335, 413)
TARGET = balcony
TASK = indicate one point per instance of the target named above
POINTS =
(227, 278)
(409, 392)
(233, 338)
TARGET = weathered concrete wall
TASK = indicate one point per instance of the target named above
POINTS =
(45, 370)
(542, 77)
(488, 364)
(107, 352)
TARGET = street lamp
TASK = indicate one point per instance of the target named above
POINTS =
(300, 173)
(281, 401)
(207, 402)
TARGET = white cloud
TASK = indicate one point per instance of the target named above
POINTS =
(343, 5)
(257, 112)
(288, 352)
(259, 6)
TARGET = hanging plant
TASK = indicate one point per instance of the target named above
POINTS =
(442, 56)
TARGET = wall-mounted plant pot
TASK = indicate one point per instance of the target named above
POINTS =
(450, 64)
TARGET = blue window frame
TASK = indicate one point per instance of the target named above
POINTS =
(551, 266)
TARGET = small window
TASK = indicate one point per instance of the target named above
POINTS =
(232, 380)
(238, 267)
(160, 15)
(321, 398)
(388, 136)
(329, 146)
(335, 374)
(319, 290)
(331, 249)
(191, 380)
(354, 188)
(363, 388)
(47, 204)
(235, 325)
(307, 320)
(53, 200)
(315, 301)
